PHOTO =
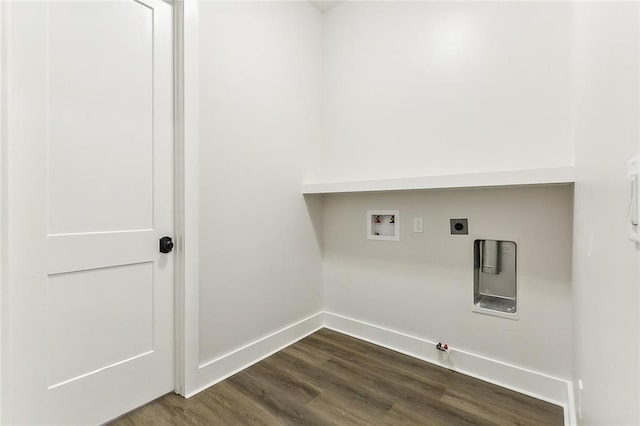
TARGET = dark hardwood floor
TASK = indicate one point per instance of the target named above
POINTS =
(332, 379)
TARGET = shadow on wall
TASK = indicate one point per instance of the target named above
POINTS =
(314, 205)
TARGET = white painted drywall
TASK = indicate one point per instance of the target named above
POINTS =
(423, 88)
(260, 105)
(605, 264)
(324, 5)
(423, 284)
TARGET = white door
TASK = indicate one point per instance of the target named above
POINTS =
(89, 301)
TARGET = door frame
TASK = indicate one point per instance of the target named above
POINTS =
(186, 181)
(3, 198)
(186, 193)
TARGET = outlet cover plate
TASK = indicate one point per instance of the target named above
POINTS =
(418, 224)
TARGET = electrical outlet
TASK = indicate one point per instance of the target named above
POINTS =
(417, 224)
(459, 226)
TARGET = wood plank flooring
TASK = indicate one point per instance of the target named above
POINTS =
(332, 379)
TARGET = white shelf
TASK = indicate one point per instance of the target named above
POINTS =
(550, 176)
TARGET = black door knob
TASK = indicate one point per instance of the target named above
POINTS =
(166, 244)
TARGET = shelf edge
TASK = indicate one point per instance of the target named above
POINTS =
(548, 176)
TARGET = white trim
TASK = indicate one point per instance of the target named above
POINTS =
(548, 176)
(484, 311)
(227, 365)
(525, 381)
(187, 289)
(538, 385)
(3, 196)
(179, 172)
(570, 414)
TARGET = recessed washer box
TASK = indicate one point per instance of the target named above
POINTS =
(383, 225)
(495, 289)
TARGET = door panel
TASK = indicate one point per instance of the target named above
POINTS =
(115, 308)
(89, 95)
(68, 252)
(100, 90)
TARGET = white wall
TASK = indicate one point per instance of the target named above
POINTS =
(605, 264)
(260, 257)
(264, 68)
(423, 284)
(422, 88)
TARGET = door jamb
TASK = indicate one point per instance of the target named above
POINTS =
(3, 203)
(179, 167)
(186, 315)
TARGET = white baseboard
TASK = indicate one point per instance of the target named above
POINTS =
(538, 385)
(218, 369)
